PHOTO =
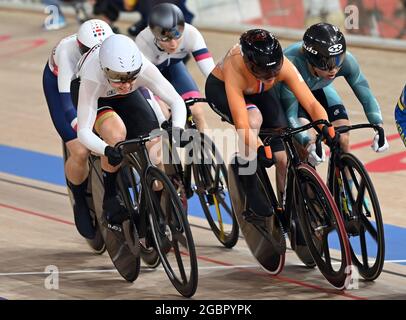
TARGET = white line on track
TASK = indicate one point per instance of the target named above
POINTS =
(114, 270)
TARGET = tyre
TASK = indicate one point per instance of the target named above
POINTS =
(358, 203)
(171, 233)
(322, 227)
(211, 179)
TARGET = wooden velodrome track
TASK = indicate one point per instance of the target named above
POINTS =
(36, 222)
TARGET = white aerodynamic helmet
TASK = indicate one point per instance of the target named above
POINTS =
(120, 58)
(92, 32)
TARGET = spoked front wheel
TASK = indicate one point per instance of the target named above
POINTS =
(322, 227)
(136, 200)
(211, 179)
(171, 233)
(358, 203)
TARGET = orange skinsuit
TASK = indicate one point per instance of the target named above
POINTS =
(239, 81)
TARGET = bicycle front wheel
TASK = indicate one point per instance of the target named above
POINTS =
(211, 179)
(358, 203)
(322, 227)
(171, 233)
(136, 200)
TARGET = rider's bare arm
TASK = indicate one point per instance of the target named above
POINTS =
(235, 83)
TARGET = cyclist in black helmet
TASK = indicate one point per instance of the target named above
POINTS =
(144, 7)
(241, 88)
(166, 42)
(320, 58)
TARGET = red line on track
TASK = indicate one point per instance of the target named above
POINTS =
(37, 214)
(286, 279)
(28, 45)
(218, 262)
(4, 37)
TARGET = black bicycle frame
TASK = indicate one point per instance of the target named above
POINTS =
(336, 151)
(136, 153)
(293, 162)
(185, 173)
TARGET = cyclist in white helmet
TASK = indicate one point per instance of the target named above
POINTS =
(112, 104)
(57, 76)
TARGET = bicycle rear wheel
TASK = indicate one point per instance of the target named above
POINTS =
(358, 203)
(126, 263)
(267, 243)
(322, 227)
(171, 233)
(211, 179)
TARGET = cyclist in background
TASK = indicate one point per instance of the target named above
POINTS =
(57, 76)
(320, 59)
(166, 42)
(144, 7)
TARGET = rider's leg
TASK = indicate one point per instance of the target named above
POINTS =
(274, 117)
(112, 130)
(281, 163)
(178, 75)
(337, 113)
(76, 168)
(344, 137)
(198, 115)
(77, 171)
(247, 163)
(154, 148)
(164, 108)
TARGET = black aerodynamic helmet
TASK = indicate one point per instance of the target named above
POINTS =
(166, 21)
(324, 46)
(262, 53)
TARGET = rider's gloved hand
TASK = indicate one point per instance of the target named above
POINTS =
(263, 158)
(113, 155)
(329, 135)
(166, 125)
(313, 158)
(375, 144)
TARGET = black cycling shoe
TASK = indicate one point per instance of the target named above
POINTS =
(256, 200)
(83, 219)
(114, 212)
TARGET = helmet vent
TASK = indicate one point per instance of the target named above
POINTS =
(121, 62)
